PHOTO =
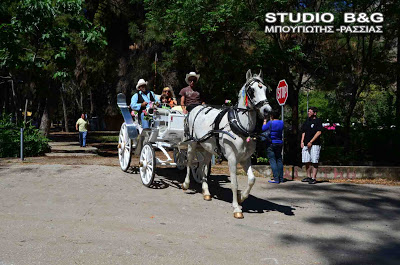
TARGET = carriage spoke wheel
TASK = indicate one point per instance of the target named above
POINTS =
(124, 148)
(147, 164)
(200, 169)
(180, 158)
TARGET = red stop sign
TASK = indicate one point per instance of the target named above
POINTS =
(282, 92)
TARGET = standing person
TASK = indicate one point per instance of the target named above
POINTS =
(311, 145)
(274, 147)
(82, 126)
(140, 100)
(189, 97)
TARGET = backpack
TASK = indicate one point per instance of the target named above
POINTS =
(266, 136)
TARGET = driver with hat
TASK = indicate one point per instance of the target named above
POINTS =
(140, 100)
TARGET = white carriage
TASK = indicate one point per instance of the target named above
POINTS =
(166, 134)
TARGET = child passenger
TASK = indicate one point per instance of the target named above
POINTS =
(168, 97)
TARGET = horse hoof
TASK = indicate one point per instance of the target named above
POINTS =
(238, 215)
(183, 187)
(207, 197)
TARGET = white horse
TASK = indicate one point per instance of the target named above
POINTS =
(237, 144)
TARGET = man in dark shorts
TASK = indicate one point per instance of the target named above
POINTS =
(311, 145)
(189, 97)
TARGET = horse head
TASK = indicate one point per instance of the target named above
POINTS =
(256, 93)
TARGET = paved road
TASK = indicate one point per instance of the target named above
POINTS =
(57, 214)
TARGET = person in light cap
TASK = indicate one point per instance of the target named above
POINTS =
(140, 100)
(190, 98)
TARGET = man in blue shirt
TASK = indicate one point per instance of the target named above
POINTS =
(141, 99)
(274, 148)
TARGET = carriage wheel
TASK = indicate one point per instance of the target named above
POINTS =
(200, 169)
(180, 158)
(147, 164)
(124, 148)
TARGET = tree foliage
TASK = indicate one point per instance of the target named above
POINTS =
(94, 49)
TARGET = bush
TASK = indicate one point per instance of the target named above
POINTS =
(260, 155)
(34, 143)
(368, 146)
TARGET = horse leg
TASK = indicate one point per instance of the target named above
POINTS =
(250, 181)
(190, 154)
(237, 211)
(204, 185)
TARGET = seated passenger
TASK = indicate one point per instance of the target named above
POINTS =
(165, 101)
(140, 100)
(171, 100)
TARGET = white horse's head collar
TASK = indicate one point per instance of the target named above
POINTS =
(256, 93)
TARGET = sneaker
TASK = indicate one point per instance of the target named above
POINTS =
(273, 181)
(306, 179)
(312, 181)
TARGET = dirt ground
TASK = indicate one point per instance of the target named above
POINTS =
(96, 214)
(109, 158)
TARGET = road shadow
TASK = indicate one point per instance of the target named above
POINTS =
(171, 177)
(258, 205)
(251, 205)
(366, 220)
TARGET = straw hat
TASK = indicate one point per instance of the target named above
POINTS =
(141, 82)
(191, 74)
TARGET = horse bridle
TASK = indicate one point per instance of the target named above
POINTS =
(234, 122)
(249, 85)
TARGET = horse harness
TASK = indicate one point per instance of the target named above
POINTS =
(233, 119)
(234, 123)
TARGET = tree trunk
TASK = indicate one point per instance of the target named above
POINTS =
(347, 120)
(16, 104)
(293, 138)
(398, 81)
(64, 108)
(5, 101)
(81, 100)
(26, 110)
(45, 122)
(92, 105)
(123, 83)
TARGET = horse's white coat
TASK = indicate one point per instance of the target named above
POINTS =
(236, 151)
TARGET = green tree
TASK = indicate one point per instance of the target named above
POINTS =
(38, 41)
(354, 62)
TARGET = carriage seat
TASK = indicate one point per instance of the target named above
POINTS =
(166, 112)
